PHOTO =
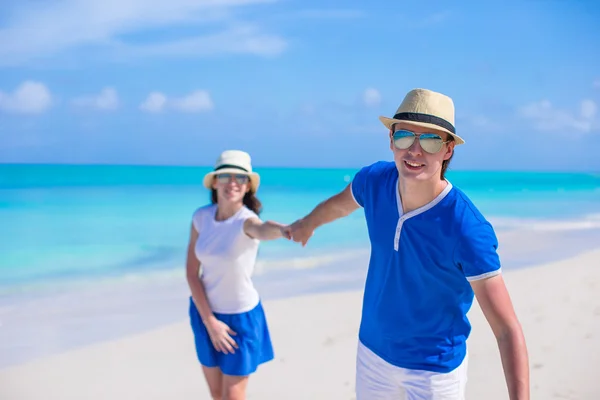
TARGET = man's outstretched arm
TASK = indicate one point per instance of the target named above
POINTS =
(335, 207)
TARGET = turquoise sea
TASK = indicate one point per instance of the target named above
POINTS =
(104, 232)
(65, 222)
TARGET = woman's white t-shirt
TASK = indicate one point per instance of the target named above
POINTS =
(227, 257)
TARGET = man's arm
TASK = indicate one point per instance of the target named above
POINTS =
(497, 307)
(335, 207)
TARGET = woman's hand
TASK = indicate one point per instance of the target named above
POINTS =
(220, 335)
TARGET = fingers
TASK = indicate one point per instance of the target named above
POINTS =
(298, 233)
(230, 343)
(222, 340)
(286, 232)
(225, 344)
(217, 345)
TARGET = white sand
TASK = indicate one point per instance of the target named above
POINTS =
(315, 342)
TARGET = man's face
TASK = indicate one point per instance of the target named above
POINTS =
(422, 159)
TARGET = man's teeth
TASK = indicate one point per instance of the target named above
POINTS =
(412, 164)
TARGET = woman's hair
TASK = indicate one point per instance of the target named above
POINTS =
(250, 201)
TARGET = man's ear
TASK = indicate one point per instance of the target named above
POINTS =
(449, 150)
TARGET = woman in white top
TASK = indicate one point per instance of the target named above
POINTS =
(226, 314)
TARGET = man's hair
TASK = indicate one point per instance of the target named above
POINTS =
(445, 163)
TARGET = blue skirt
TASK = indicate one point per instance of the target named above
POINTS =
(252, 337)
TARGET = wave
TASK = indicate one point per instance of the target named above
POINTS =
(309, 262)
(587, 222)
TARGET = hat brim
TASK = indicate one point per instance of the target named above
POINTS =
(388, 122)
(254, 177)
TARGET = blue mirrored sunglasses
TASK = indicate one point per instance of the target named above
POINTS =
(429, 142)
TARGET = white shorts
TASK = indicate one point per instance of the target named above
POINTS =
(376, 379)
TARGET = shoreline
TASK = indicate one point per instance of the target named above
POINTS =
(556, 302)
(87, 313)
(548, 245)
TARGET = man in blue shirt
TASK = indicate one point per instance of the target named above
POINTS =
(432, 252)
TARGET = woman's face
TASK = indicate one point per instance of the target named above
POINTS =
(419, 152)
(231, 187)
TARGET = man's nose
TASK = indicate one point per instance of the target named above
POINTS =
(415, 147)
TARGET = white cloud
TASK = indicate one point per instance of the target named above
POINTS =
(44, 29)
(478, 122)
(28, 98)
(107, 99)
(154, 103)
(371, 97)
(198, 101)
(195, 102)
(244, 39)
(588, 109)
(546, 117)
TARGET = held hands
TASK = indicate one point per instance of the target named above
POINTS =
(300, 231)
(220, 336)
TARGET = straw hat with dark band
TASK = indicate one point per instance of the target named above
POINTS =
(233, 162)
(426, 108)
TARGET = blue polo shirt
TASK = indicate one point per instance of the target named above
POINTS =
(417, 291)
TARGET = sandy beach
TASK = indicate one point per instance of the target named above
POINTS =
(315, 343)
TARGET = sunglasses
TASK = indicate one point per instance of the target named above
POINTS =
(430, 142)
(240, 179)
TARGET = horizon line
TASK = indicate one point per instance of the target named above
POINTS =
(257, 167)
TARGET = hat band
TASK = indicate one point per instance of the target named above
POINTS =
(425, 118)
(230, 166)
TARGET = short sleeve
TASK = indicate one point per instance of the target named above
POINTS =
(197, 219)
(247, 214)
(358, 186)
(476, 252)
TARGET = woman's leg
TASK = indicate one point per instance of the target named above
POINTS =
(234, 387)
(214, 378)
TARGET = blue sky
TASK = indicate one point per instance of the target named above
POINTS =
(295, 83)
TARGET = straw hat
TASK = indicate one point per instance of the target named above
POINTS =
(234, 162)
(426, 108)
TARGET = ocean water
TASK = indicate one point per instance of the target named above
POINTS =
(92, 253)
(64, 222)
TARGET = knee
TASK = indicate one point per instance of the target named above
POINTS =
(216, 394)
(234, 394)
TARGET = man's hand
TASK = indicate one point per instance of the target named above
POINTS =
(335, 207)
(300, 231)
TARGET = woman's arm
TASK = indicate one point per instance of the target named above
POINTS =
(268, 230)
(218, 331)
(335, 207)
